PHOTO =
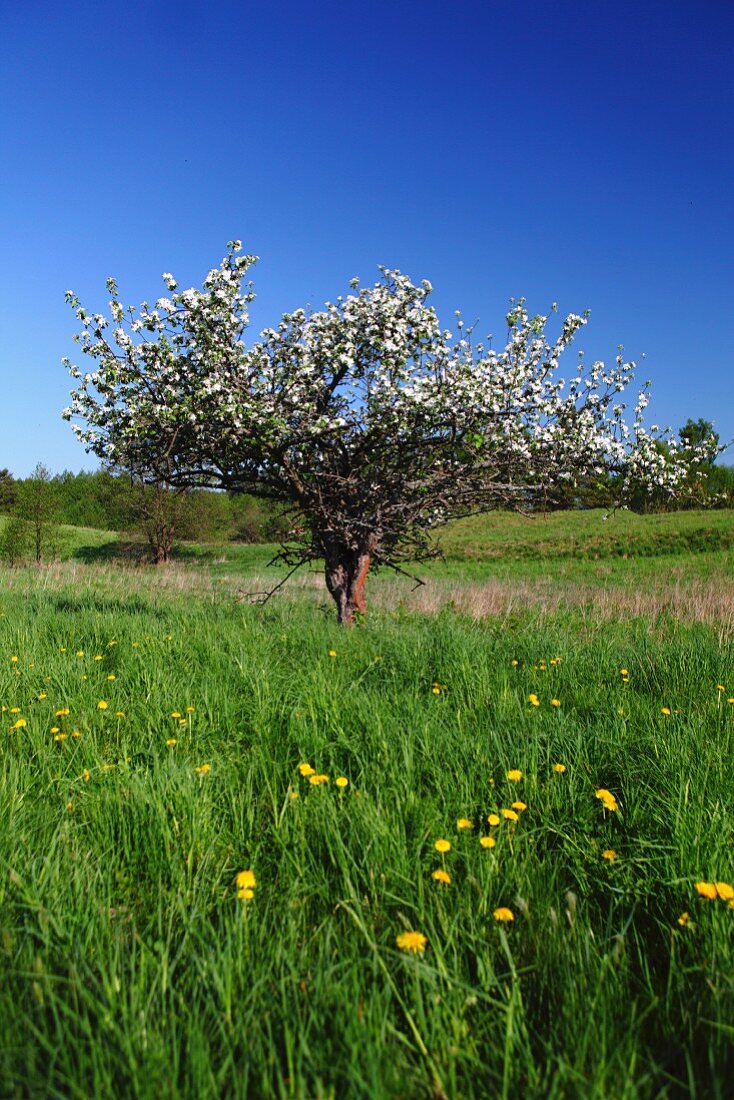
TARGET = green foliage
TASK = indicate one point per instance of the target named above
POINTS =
(131, 967)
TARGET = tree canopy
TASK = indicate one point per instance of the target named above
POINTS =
(367, 420)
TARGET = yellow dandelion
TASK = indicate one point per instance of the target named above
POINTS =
(60, 736)
(112, 676)
(14, 659)
(442, 876)
(519, 806)
(624, 672)
(203, 769)
(13, 710)
(80, 653)
(332, 653)
(665, 710)
(86, 775)
(534, 700)
(464, 823)
(171, 742)
(190, 710)
(609, 854)
(555, 702)
(246, 894)
(306, 770)
(62, 713)
(493, 819)
(75, 733)
(442, 845)
(98, 657)
(503, 915)
(69, 806)
(412, 942)
(294, 795)
(54, 729)
(514, 774)
(725, 891)
(607, 798)
(341, 782)
(683, 919)
(487, 841)
(436, 689)
(707, 889)
(318, 780)
(175, 714)
(42, 695)
(560, 768)
(510, 815)
(514, 663)
(19, 725)
(102, 704)
(245, 879)
(720, 687)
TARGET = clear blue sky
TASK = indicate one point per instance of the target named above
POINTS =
(575, 151)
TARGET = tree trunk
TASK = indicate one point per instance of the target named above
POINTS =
(346, 573)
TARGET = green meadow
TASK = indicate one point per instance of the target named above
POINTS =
(488, 833)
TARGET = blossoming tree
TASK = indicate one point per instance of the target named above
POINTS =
(367, 420)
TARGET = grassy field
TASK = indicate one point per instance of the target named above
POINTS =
(155, 728)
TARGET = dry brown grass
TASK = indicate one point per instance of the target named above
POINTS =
(704, 600)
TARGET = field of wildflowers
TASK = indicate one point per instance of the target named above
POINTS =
(244, 853)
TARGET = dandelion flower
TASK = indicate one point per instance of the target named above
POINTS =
(306, 770)
(510, 815)
(487, 841)
(42, 695)
(493, 819)
(503, 915)
(13, 710)
(60, 736)
(80, 653)
(341, 782)
(413, 942)
(203, 769)
(175, 714)
(332, 653)
(75, 733)
(102, 704)
(436, 689)
(534, 700)
(318, 780)
(624, 672)
(707, 889)
(70, 806)
(442, 876)
(683, 919)
(171, 742)
(560, 768)
(245, 879)
(519, 806)
(665, 710)
(720, 687)
(19, 725)
(464, 823)
(190, 710)
(63, 713)
(724, 890)
(609, 854)
(246, 893)
(555, 702)
(607, 798)
(514, 663)
(514, 774)
(442, 845)
(86, 775)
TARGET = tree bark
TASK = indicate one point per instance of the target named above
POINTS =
(346, 574)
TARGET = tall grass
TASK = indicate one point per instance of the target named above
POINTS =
(131, 966)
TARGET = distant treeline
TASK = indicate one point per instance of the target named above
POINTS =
(112, 503)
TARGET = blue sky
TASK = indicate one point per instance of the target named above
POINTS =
(578, 152)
